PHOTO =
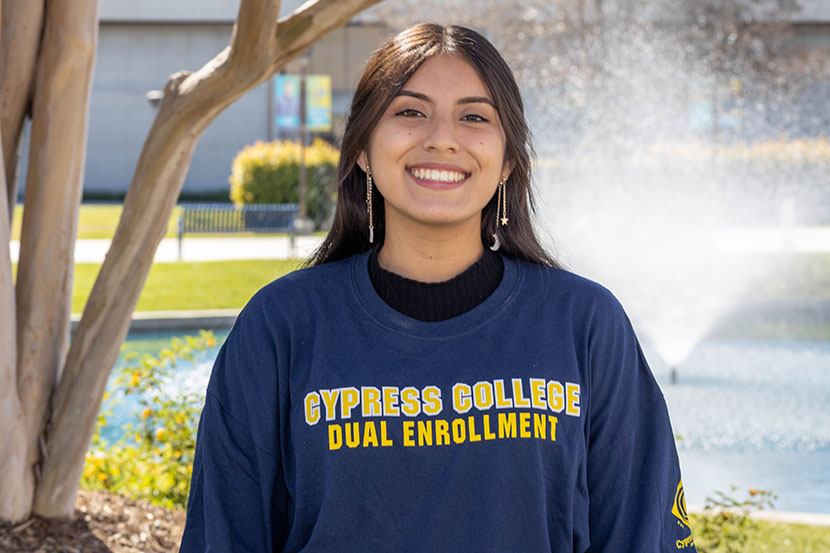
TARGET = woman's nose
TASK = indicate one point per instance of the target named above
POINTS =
(442, 136)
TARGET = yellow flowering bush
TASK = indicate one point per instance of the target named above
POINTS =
(154, 458)
(269, 173)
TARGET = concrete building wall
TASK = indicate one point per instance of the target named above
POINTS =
(142, 43)
(189, 11)
(135, 58)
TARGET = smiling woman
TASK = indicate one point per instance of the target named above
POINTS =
(436, 155)
(412, 389)
(446, 97)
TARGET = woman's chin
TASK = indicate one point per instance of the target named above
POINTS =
(445, 220)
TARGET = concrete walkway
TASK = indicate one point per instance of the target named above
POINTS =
(202, 249)
(761, 240)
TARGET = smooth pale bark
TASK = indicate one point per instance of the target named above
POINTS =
(16, 502)
(52, 199)
(260, 45)
(8, 344)
(22, 23)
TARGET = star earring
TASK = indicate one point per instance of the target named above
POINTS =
(501, 212)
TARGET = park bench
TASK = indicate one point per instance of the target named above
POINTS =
(235, 219)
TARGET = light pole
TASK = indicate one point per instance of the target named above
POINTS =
(302, 224)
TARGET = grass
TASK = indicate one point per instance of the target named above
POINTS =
(777, 537)
(784, 538)
(185, 286)
(96, 221)
(772, 537)
(99, 221)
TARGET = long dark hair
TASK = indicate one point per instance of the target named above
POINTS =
(387, 71)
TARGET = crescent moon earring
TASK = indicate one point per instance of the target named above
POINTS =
(496, 244)
(501, 212)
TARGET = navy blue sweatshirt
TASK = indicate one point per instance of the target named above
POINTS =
(530, 423)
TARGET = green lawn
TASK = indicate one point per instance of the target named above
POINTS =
(96, 221)
(203, 285)
(773, 537)
(777, 537)
(184, 286)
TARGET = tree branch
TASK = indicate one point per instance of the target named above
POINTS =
(313, 19)
(252, 41)
(22, 24)
(191, 102)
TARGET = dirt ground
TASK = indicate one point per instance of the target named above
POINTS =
(102, 523)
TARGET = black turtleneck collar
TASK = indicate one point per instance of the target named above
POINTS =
(438, 301)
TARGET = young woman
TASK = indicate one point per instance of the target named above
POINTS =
(434, 381)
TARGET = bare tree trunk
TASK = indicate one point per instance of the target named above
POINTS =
(16, 501)
(259, 47)
(15, 504)
(22, 24)
(52, 198)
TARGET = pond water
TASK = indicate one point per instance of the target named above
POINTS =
(748, 413)
(190, 376)
(754, 414)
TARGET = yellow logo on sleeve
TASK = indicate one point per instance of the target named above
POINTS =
(679, 511)
(679, 507)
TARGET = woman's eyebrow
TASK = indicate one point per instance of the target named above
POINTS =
(466, 100)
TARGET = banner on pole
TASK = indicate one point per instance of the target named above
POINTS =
(318, 102)
(287, 98)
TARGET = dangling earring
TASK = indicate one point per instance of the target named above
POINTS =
(369, 204)
(501, 212)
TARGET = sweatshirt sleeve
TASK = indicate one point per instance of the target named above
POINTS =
(237, 493)
(636, 500)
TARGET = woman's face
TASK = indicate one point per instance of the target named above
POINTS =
(437, 153)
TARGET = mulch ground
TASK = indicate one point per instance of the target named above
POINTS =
(102, 523)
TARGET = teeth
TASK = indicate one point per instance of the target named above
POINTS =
(436, 175)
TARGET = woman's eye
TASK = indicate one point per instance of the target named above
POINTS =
(475, 118)
(410, 113)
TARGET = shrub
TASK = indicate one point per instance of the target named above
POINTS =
(725, 526)
(268, 173)
(154, 459)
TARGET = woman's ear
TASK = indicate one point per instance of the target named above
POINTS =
(363, 160)
(507, 168)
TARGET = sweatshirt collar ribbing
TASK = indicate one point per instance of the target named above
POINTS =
(384, 314)
(438, 301)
